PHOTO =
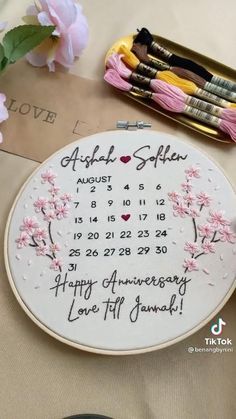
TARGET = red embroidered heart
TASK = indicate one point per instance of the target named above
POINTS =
(125, 217)
(125, 159)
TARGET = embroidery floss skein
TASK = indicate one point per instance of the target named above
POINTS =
(145, 37)
(187, 86)
(112, 77)
(115, 62)
(141, 52)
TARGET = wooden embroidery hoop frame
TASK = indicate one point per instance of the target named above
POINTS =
(76, 344)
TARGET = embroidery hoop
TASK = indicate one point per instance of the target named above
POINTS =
(78, 345)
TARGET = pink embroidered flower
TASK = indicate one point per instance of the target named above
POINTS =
(69, 38)
(40, 204)
(23, 240)
(192, 172)
(48, 176)
(66, 197)
(191, 247)
(54, 190)
(193, 213)
(3, 112)
(174, 196)
(190, 265)
(53, 202)
(41, 250)
(189, 198)
(54, 247)
(227, 235)
(49, 216)
(217, 219)
(205, 230)
(203, 199)
(62, 211)
(186, 186)
(29, 224)
(180, 210)
(56, 264)
(208, 247)
(40, 234)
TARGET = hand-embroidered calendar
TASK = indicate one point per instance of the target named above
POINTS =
(123, 242)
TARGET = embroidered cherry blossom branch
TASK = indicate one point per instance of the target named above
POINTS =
(183, 206)
(54, 208)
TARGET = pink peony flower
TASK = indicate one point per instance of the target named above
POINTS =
(192, 172)
(40, 204)
(180, 210)
(40, 234)
(49, 216)
(190, 265)
(193, 213)
(3, 112)
(189, 198)
(56, 264)
(29, 225)
(54, 190)
(41, 250)
(191, 247)
(227, 235)
(48, 176)
(66, 197)
(203, 199)
(69, 38)
(217, 219)
(62, 212)
(174, 196)
(186, 186)
(23, 240)
(54, 248)
(208, 247)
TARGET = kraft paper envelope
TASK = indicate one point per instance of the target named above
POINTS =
(49, 110)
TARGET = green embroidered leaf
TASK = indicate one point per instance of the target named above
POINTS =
(22, 39)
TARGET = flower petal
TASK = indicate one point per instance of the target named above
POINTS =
(79, 32)
(2, 98)
(3, 110)
(44, 19)
(36, 59)
(32, 10)
(3, 114)
(64, 53)
(3, 26)
(65, 9)
(30, 20)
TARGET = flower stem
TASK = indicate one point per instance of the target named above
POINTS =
(195, 230)
(200, 254)
(49, 232)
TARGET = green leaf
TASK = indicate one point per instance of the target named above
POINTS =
(22, 39)
(3, 59)
(1, 53)
(4, 64)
